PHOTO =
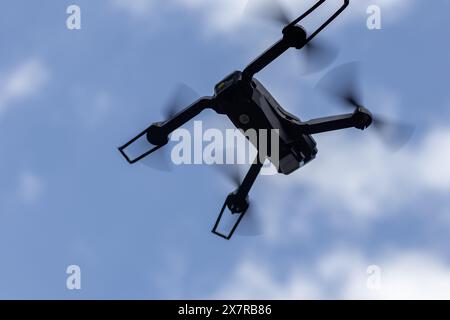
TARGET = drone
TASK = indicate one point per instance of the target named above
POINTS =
(249, 105)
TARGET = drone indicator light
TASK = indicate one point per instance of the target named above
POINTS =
(244, 119)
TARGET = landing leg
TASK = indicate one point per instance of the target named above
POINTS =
(237, 202)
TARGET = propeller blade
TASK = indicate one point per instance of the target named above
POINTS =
(231, 173)
(181, 98)
(341, 84)
(394, 134)
(316, 56)
(251, 225)
(160, 160)
(268, 10)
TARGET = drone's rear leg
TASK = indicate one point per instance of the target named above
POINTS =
(157, 135)
(237, 202)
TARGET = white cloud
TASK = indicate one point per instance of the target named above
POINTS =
(362, 180)
(361, 175)
(390, 8)
(219, 15)
(404, 275)
(432, 164)
(22, 82)
(254, 281)
(31, 187)
(225, 15)
(353, 182)
(410, 275)
(342, 274)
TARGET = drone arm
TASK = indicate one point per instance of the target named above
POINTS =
(265, 59)
(327, 124)
(249, 179)
(360, 119)
(187, 114)
(237, 201)
(293, 37)
(158, 133)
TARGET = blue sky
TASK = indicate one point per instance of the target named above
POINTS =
(68, 99)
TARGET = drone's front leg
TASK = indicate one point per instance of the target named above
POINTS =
(157, 135)
(360, 119)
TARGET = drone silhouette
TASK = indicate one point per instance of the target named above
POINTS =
(249, 105)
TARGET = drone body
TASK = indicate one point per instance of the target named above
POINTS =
(249, 105)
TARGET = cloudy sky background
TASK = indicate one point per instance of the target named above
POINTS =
(69, 98)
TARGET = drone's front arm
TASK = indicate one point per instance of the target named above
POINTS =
(187, 114)
(157, 135)
(360, 119)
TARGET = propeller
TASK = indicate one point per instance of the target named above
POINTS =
(315, 56)
(342, 84)
(250, 224)
(182, 97)
(268, 10)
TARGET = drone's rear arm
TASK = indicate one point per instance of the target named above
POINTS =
(360, 119)
(328, 124)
